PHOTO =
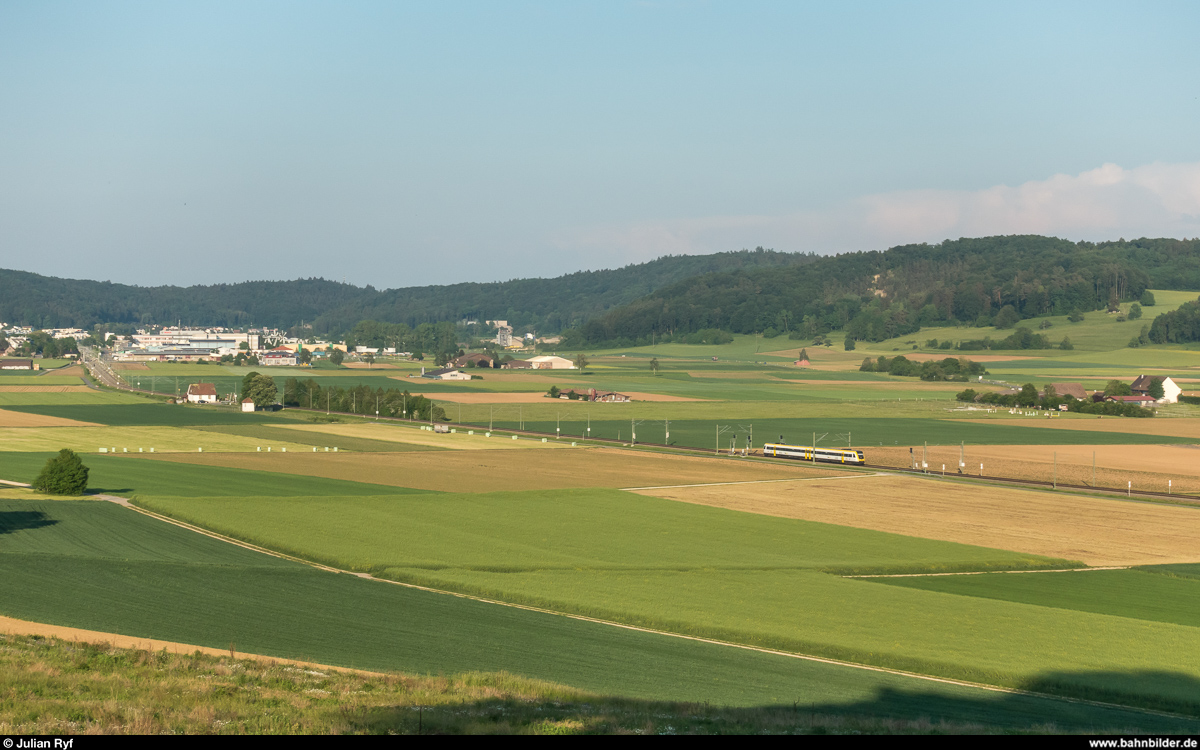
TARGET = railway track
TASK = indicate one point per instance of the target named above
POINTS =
(689, 450)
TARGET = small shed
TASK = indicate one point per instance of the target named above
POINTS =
(248, 404)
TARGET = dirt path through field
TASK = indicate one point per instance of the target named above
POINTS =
(13, 626)
(1094, 531)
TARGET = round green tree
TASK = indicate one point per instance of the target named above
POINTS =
(63, 474)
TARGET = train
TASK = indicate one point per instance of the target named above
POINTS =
(806, 453)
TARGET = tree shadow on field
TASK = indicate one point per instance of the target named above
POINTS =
(122, 491)
(889, 711)
(22, 520)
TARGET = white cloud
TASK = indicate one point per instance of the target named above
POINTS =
(1154, 200)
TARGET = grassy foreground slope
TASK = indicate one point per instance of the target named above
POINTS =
(734, 576)
(227, 597)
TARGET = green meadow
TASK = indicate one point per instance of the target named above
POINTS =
(148, 579)
(1151, 593)
(717, 573)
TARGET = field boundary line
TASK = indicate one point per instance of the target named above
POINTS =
(755, 481)
(989, 572)
(637, 628)
(124, 503)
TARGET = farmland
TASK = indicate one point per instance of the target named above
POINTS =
(742, 550)
(1097, 531)
(483, 471)
(734, 576)
(190, 589)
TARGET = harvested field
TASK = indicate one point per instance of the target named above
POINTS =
(13, 626)
(130, 366)
(486, 471)
(88, 439)
(1095, 531)
(1147, 466)
(24, 419)
(45, 389)
(74, 371)
(459, 441)
(1185, 427)
(639, 396)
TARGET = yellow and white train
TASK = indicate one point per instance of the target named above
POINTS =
(806, 453)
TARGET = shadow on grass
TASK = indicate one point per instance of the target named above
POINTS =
(22, 520)
(891, 711)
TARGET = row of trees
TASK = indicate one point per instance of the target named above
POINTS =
(360, 399)
(950, 368)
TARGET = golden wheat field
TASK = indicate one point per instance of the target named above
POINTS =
(1148, 467)
(1091, 530)
(460, 440)
(1187, 427)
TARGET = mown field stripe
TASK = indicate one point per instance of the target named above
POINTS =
(651, 631)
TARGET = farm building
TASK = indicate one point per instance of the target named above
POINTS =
(591, 394)
(1074, 390)
(18, 364)
(548, 362)
(278, 358)
(1135, 400)
(517, 364)
(1171, 391)
(480, 359)
(609, 397)
(248, 404)
(446, 373)
(202, 393)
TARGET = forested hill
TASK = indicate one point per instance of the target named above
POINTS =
(872, 296)
(331, 307)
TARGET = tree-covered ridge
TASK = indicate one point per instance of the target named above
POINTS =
(331, 307)
(873, 296)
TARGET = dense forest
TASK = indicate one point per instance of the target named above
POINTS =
(865, 296)
(1177, 326)
(547, 305)
(872, 296)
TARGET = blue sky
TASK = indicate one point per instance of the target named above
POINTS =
(423, 143)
